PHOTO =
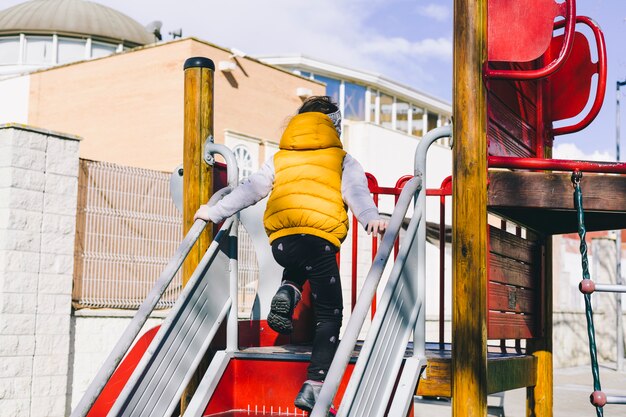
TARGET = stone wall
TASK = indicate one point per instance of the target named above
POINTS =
(38, 188)
(94, 333)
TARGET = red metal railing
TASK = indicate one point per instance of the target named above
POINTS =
(556, 164)
(443, 191)
(600, 67)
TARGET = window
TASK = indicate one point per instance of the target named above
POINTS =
(244, 161)
(332, 86)
(432, 121)
(99, 49)
(386, 110)
(9, 50)
(39, 50)
(402, 116)
(305, 74)
(373, 96)
(417, 118)
(354, 105)
(70, 50)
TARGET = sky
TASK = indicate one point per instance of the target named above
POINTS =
(408, 41)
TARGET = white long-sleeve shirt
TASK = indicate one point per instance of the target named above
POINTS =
(257, 186)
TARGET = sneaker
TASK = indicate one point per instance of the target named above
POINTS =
(281, 310)
(306, 398)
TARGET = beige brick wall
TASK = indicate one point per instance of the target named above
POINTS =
(129, 107)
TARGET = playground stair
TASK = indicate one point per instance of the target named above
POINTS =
(260, 379)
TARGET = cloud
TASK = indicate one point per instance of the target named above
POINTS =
(440, 48)
(571, 151)
(372, 35)
(435, 11)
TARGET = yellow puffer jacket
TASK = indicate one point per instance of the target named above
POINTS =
(306, 197)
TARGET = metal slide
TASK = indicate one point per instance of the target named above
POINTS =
(156, 385)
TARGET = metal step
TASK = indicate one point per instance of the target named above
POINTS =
(246, 413)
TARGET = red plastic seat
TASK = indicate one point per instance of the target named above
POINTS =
(522, 31)
(570, 87)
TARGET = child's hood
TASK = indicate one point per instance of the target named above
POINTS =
(309, 131)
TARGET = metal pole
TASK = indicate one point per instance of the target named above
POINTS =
(419, 167)
(618, 246)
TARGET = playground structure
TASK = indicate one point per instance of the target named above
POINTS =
(507, 99)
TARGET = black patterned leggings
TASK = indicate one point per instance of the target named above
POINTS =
(313, 258)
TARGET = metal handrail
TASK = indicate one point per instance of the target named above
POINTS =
(368, 291)
(419, 338)
(232, 174)
(416, 230)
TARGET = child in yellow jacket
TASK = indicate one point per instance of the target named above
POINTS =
(310, 180)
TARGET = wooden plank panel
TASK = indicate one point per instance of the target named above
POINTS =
(511, 299)
(512, 118)
(502, 143)
(505, 373)
(511, 373)
(511, 326)
(553, 190)
(512, 127)
(511, 246)
(509, 271)
(435, 381)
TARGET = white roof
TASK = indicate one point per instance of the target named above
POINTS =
(374, 80)
(73, 17)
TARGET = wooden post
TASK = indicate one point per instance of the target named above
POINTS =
(469, 222)
(197, 175)
(540, 398)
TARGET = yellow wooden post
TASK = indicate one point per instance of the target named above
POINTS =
(469, 221)
(197, 175)
(540, 398)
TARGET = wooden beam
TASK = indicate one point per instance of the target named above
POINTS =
(469, 222)
(197, 175)
(553, 190)
(543, 201)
